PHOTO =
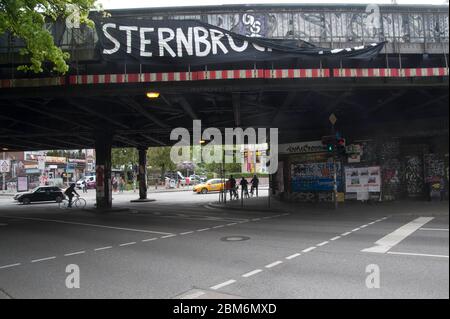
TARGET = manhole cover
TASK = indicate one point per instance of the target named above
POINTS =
(234, 238)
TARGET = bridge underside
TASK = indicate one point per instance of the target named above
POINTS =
(68, 117)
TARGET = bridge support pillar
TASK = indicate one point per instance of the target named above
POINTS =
(103, 145)
(142, 174)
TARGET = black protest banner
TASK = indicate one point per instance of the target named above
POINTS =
(168, 42)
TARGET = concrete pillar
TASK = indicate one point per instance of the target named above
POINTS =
(103, 142)
(142, 173)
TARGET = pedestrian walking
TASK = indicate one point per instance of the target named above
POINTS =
(232, 187)
(244, 188)
(255, 185)
(114, 183)
(84, 186)
(121, 184)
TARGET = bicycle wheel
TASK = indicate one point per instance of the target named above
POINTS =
(64, 204)
(80, 203)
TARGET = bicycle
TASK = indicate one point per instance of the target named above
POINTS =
(78, 202)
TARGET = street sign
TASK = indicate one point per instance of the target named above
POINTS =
(4, 166)
(332, 119)
(41, 162)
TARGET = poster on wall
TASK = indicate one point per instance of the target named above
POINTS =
(22, 184)
(314, 177)
(362, 179)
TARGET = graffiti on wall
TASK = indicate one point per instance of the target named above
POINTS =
(391, 179)
(414, 176)
(434, 166)
(364, 26)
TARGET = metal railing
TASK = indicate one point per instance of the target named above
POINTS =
(315, 25)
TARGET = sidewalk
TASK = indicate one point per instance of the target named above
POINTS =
(401, 207)
(149, 191)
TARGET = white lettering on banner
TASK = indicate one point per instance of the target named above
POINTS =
(235, 47)
(216, 35)
(182, 41)
(198, 40)
(201, 39)
(145, 41)
(110, 38)
(163, 41)
(128, 30)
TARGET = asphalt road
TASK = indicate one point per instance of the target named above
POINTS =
(179, 247)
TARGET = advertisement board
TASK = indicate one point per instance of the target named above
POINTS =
(22, 184)
(314, 177)
(362, 179)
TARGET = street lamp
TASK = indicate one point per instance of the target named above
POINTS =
(152, 95)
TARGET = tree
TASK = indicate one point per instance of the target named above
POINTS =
(124, 157)
(160, 157)
(26, 19)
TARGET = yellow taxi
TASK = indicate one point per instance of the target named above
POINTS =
(212, 185)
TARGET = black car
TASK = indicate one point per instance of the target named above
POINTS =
(41, 194)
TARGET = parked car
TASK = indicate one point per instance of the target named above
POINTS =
(41, 194)
(90, 181)
(177, 176)
(197, 179)
(212, 185)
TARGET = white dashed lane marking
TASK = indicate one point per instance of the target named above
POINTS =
(187, 233)
(293, 256)
(307, 250)
(252, 273)
(276, 263)
(345, 234)
(223, 284)
(335, 238)
(322, 243)
(10, 266)
(168, 236)
(203, 229)
(103, 248)
(194, 295)
(75, 253)
(43, 259)
(127, 244)
(149, 239)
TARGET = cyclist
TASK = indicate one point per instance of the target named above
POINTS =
(70, 192)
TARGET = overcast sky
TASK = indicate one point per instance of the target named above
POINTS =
(116, 4)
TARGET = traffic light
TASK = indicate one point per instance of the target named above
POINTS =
(334, 143)
(340, 146)
(329, 142)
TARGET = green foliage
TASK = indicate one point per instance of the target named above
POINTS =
(26, 19)
(160, 157)
(124, 157)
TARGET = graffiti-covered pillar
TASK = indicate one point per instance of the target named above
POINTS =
(103, 144)
(142, 173)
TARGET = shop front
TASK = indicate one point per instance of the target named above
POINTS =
(307, 173)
